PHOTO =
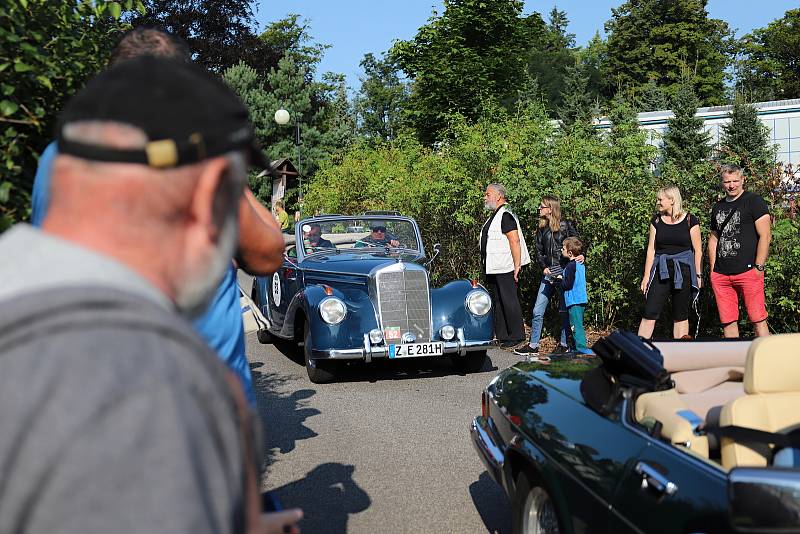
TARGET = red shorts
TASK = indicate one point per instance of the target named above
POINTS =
(727, 289)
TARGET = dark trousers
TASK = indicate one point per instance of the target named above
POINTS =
(508, 324)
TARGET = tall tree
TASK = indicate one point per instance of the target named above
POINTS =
(746, 141)
(381, 99)
(686, 141)
(475, 50)
(219, 32)
(290, 35)
(550, 57)
(47, 52)
(576, 106)
(770, 68)
(657, 39)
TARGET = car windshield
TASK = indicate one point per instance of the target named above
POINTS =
(353, 233)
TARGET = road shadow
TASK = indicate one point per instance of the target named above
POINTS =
(328, 495)
(492, 504)
(405, 369)
(283, 414)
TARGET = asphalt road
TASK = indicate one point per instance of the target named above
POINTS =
(385, 450)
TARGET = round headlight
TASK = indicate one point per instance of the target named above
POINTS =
(332, 310)
(447, 332)
(479, 303)
(375, 336)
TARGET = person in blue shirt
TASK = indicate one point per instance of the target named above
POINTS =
(260, 249)
(574, 286)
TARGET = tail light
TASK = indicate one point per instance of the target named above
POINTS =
(485, 404)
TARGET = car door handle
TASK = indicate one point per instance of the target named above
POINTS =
(651, 478)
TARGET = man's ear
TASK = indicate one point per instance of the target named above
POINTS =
(209, 201)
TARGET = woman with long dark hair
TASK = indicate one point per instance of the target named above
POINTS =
(550, 236)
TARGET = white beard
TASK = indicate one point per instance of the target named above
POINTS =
(201, 282)
(490, 206)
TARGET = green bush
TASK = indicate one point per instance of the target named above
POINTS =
(605, 181)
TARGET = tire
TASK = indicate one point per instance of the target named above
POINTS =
(264, 337)
(533, 509)
(319, 371)
(471, 362)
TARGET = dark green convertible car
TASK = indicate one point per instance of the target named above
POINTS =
(604, 444)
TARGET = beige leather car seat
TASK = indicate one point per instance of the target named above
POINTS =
(663, 406)
(771, 401)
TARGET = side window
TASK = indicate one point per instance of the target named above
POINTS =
(291, 251)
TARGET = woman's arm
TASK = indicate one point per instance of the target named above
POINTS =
(697, 245)
(649, 257)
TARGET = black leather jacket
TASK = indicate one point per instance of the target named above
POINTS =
(548, 246)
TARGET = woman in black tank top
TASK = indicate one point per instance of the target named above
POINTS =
(674, 245)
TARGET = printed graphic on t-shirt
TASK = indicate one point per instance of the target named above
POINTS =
(729, 244)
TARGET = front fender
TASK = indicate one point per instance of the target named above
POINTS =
(448, 306)
(360, 319)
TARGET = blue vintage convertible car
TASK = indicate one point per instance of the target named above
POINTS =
(356, 288)
(582, 446)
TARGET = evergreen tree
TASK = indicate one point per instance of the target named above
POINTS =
(746, 141)
(686, 141)
(551, 56)
(658, 39)
(652, 97)
(576, 104)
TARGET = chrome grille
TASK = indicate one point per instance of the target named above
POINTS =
(404, 302)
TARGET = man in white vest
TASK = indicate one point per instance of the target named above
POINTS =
(504, 252)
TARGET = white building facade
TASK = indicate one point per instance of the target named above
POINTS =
(782, 117)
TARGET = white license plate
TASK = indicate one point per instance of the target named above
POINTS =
(413, 350)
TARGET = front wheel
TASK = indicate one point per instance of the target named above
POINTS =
(471, 362)
(533, 509)
(319, 371)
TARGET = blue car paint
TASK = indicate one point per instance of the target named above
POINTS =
(346, 272)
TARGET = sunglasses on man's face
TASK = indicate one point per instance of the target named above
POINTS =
(381, 230)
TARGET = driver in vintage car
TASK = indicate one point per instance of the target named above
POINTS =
(312, 238)
(378, 237)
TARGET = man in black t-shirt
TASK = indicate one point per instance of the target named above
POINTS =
(737, 253)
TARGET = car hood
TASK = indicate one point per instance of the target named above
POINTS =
(354, 263)
(565, 372)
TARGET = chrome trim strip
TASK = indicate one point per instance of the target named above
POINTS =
(382, 351)
(490, 452)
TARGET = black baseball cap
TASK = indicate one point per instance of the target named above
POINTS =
(187, 114)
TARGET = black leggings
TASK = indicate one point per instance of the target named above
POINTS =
(659, 290)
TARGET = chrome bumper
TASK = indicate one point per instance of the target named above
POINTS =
(490, 451)
(368, 351)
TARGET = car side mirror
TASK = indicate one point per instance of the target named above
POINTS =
(437, 248)
(764, 500)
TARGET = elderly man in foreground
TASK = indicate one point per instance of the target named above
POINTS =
(114, 415)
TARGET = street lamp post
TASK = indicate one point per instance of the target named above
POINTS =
(282, 117)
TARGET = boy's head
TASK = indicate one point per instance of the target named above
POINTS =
(572, 247)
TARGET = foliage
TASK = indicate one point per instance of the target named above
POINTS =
(769, 69)
(381, 100)
(745, 141)
(686, 141)
(219, 32)
(656, 40)
(576, 103)
(551, 55)
(290, 36)
(474, 51)
(47, 51)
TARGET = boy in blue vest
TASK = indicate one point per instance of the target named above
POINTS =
(574, 285)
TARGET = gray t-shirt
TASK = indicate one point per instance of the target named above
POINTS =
(114, 416)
